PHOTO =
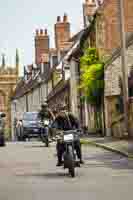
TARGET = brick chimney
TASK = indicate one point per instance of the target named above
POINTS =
(89, 8)
(62, 32)
(41, 45)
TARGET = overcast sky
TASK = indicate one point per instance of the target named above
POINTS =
(19, 19)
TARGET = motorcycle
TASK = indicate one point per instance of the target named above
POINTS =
(69, 155)
(44, 126)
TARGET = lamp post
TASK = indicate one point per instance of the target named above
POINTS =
(14, 119)
(123, 62)
(15, 105)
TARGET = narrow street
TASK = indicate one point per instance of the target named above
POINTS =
(28, 172)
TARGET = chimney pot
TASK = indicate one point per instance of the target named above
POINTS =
(37, 32)
(46, 32)
(41, 31)
(58, 19)
(65, 18)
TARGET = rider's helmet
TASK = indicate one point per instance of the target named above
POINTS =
(44, 104)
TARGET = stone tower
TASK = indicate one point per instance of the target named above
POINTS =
(3, 60)
(41, 46)
(17, 62)
(62, 32)
(89, 8)
(8, 82)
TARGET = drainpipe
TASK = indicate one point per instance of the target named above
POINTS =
(124, 64)
(27, 106)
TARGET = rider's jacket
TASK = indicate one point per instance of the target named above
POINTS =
(44, 114)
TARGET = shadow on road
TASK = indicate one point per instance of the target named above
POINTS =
(52, 175)
(35, 146)
(109, 160)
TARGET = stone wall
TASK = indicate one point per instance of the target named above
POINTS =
(131, 116)
(114, 124)
(60, 97)
(118, 124)
(74, 82)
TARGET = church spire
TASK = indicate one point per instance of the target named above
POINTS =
(17, 61)
(3, 60)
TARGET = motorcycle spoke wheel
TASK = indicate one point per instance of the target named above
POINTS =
(72, 171)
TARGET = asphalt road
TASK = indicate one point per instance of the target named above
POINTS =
(28, 172)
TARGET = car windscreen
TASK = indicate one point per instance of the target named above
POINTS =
(30, 116)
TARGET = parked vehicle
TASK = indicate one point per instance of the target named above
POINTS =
(2, 127)
(30, 126)
(44, 133)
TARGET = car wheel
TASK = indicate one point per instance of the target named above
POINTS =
(19, 133)
(2, 141)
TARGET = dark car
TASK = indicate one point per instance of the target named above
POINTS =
(2, 129)
(30, 125)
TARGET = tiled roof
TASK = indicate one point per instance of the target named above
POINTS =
(58, 88)
(23, 87)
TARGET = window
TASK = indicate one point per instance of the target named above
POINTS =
(2, 102)
(55, 60)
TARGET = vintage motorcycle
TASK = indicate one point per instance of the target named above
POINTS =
(69, 156)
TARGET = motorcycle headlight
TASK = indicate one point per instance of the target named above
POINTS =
(39, 124)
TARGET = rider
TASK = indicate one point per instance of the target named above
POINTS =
(45, 112)
(68, 125)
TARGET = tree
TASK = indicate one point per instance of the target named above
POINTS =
(92, 81)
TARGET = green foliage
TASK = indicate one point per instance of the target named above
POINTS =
(92, 76)
(7, 133)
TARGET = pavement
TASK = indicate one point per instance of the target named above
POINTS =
(121, 146)
(28, 172)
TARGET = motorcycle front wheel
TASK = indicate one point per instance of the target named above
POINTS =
(71, 161)
(45, 140)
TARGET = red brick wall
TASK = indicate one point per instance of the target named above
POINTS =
(109, 16)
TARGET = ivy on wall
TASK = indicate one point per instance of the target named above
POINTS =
(92, 76)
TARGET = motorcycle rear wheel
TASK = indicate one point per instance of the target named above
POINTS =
(71, 168)
(72, 171)
(45, 140)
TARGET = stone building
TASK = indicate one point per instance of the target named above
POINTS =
(108, 41)
(8, 82)
(113, 92)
